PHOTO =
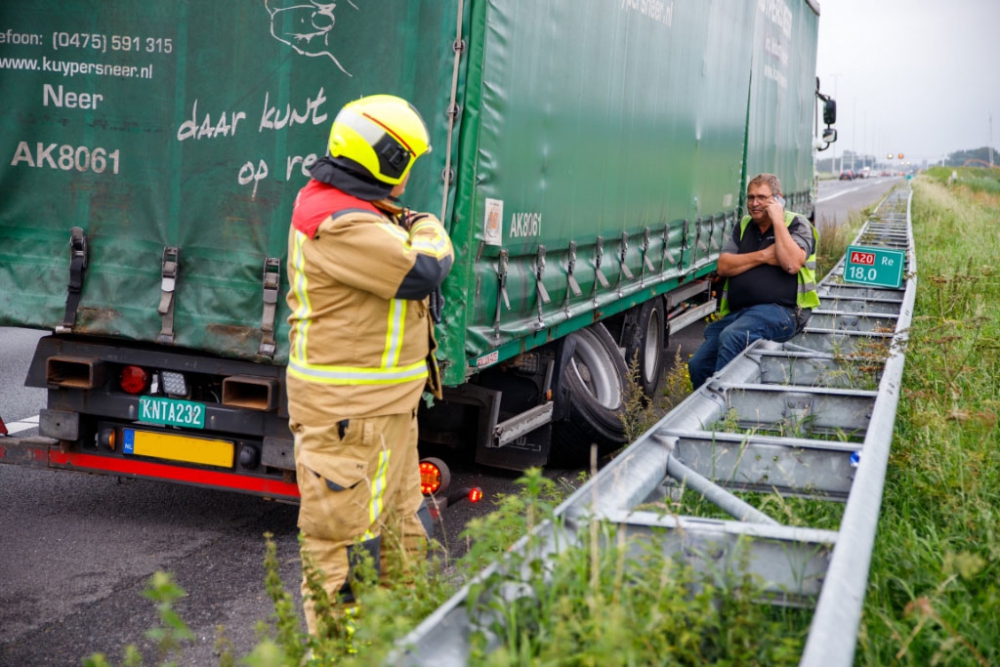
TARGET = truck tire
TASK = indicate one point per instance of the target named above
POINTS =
(646, 341)
(594, 380)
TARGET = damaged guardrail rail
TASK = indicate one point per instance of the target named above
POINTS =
(810, 418)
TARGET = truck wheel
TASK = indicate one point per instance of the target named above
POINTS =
(646, 341)
(594, 379)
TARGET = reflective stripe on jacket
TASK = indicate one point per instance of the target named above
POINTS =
(361, 338)
(806, 296)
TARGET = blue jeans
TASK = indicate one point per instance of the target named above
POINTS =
(726, 338)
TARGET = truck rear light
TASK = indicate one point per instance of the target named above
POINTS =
(173, 384)
(434, 476)
(107, 438)
(134, 379)
(472, 494)
(75, 372)
(430, 479)
(249, 457)
(251, 392)
(3, 428)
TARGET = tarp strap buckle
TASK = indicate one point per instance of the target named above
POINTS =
(541, 294)
(646, 264)
(79, 258)
(625, 273)
(667, 256)
(574, 286)
(685, 244)
(272, 281)
(598, 258)
(168, 284)
(699, 242)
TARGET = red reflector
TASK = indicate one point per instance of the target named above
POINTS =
(134, 379)
(430, 478)
(475, 494)
(3, 429)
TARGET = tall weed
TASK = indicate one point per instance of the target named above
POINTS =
(834, 237)
(619, 599)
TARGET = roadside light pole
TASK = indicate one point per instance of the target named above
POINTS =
(991, 141)
(854, 136)
(864, 142)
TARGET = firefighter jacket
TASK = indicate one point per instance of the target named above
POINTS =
(361, 335)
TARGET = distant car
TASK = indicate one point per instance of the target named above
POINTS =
(847, 175)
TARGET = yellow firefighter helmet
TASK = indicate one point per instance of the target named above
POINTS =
(383, 134)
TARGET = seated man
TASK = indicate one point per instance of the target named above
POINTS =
(770, 291)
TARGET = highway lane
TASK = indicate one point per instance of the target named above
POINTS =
(17, 401)
(77, 549)
(837, 199)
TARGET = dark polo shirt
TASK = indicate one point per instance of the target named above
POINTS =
(765, 283)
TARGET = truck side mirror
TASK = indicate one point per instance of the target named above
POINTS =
(829, 135)
(830, 112)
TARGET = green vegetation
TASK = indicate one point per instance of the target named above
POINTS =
(618, 600)
(834, 237)
(979, 180)
(934, 591)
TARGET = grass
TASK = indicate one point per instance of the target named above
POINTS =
(791, 511)
(977, 180)
(618, 600)
(934, 585)
(834, 237)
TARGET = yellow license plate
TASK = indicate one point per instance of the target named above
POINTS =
(203, 451)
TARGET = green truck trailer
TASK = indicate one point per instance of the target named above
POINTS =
(589, 158)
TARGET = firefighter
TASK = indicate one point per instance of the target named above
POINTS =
(361, 270)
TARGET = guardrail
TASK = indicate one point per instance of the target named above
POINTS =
(835, 387)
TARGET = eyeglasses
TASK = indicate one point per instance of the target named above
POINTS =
(753, 198)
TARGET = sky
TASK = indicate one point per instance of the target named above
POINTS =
(918, 77)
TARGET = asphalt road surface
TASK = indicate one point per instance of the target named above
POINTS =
(76, 550)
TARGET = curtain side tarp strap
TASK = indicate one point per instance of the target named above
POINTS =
(168, 284)
(272, 281)
(79, 259)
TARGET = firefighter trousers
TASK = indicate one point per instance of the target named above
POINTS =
(359, 479)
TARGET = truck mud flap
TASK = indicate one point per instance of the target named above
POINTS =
(48, 453)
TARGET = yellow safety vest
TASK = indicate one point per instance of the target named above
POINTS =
(806, 296)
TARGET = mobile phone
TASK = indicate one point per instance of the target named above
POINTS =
(780, 200)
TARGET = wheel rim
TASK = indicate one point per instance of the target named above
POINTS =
(654, 345)
(597, 371)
